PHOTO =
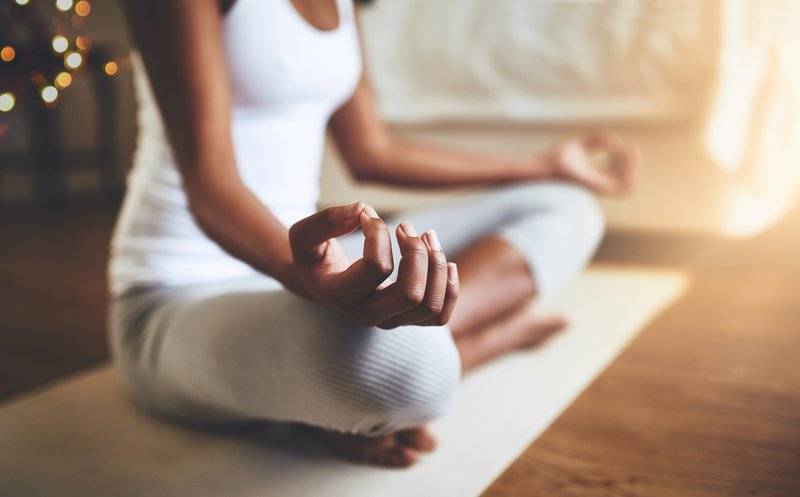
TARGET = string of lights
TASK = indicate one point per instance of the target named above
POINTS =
(53, 69)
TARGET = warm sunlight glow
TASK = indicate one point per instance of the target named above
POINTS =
(747, 214)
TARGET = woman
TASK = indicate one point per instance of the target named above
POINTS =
(233, 300)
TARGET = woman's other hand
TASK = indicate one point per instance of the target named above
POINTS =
(426, 289)
(602, 162)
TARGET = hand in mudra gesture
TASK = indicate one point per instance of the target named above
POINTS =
(602, 162)
(426, 289)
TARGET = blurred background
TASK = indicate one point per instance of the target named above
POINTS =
(710, 90)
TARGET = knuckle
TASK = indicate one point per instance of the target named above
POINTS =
(452, 292)
(294, 234)
(380, 226)
(439, 264)
(416, 253)
(434, 307)
(416, 243)
(329, 215)
(380, 266)
(413, 294)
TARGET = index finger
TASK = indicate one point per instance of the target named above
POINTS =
(308, 235)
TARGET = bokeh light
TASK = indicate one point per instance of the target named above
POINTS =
(63, 80)
(73, 60)
(7, 53)
(7, 101)
(83, 8)
(22, 2)
(60, 43)
(111, 68)
(83, 42)
(49, 94)
(64, 5)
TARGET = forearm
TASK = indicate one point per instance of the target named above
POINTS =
(373, 153)
(231, 215)
(408, 163)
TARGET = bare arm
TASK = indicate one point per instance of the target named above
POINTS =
(374, 154)
(179, 41)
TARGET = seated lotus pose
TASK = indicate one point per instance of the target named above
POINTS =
(234, 300)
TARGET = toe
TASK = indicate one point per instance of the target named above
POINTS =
(401, 457)
(542, 328)
(417, 438)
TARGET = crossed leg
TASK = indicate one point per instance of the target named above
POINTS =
(511, 245)
(251, 350)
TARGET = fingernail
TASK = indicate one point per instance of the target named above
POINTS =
(408, 228)
(426, 241)
(433, 240)
(370, 212)
(452, 272)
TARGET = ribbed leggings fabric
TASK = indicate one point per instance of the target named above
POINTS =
(247, 349)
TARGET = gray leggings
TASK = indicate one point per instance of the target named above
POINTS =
(249, 350)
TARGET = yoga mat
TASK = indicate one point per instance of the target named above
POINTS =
(84, 438)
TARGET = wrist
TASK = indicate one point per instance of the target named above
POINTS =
(284, 271)
(539, 167)
(544, 166)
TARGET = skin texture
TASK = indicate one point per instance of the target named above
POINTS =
(180, 43)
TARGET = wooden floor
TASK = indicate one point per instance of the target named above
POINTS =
(706, 402)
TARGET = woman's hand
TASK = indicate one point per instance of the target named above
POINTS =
(426, 289)
(602, 162)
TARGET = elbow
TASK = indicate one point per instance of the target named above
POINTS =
(370, 162)
(195, 189)
(198, 208)
(366, 172)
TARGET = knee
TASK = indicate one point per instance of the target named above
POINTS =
(583, 211)
(558, 228)
(405, 381)
(573, 207)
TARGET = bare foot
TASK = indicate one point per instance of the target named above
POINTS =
(521, 330)
(396, 450)
(528, 329)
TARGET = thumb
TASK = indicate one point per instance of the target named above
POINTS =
(307, 236)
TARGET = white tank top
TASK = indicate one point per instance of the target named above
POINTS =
(286, 77)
